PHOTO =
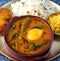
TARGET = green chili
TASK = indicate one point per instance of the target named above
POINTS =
(38, 27)
(25, 24)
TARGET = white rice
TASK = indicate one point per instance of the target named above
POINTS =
(41, 8)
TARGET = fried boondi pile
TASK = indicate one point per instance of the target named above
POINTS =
(54, 21)
(5, 16)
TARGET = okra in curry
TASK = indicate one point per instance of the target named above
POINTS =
(29, 35)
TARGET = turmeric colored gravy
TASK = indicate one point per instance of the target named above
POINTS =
(29, 36)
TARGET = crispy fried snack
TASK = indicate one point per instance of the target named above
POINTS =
(5, 16)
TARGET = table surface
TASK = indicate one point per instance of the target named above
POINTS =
(2, 56)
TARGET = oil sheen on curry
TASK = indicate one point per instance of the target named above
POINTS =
(29, 36)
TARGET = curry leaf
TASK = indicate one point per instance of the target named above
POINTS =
(36, 46)
(15, 35)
